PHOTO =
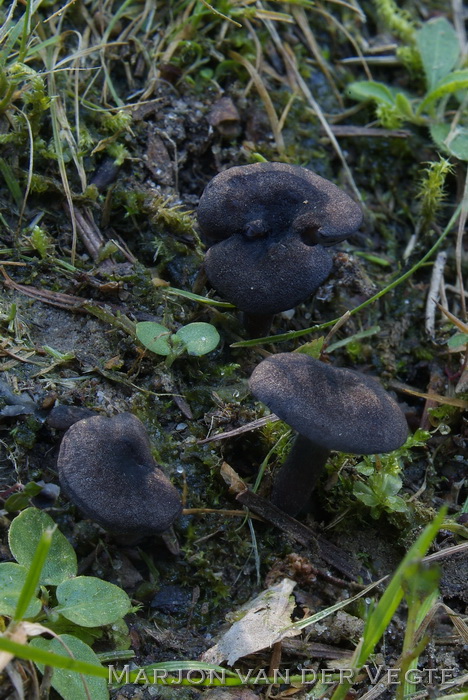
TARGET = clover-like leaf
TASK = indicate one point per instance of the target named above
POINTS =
(198, 338)
(155, 337)
(12, 578)
(69, 684)
(90, 602)
(23, 537)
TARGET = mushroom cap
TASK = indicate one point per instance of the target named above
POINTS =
(63, 417)
(263, 198)
(106, 468)
(337, 409)
(276, 274)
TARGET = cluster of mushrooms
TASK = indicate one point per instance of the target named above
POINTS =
(267, 227)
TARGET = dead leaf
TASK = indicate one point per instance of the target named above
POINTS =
(261, 624)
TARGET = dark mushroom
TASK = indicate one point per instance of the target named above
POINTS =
(63, 417)
(331, 409)
(106, 468)
(266, 225)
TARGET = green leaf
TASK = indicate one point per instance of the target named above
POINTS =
(357, 336)
(459, 340)
(371, 90)
(12, 579)
(453, 141)
(388, 484)
(397, 504)
(20, 501)
(378, 622)
(365, 494)
(154, 337)
(403, 105)
(420, 581)
(313, 348)
(31, 583)
(198, 338)
(11, 182)
(23, 537)
(196, 297)
(438, 46)
(90, 602)
(69, 684)
(60, 625)
(458, 80)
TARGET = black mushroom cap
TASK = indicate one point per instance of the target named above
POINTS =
(265, 199)
(334, 408)
(106, 468)
(274, 275)
(63, 417)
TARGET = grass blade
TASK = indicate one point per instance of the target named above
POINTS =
(34, 573)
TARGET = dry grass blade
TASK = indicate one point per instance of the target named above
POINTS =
(351, 39)
(30, 169)
(458, 623)
(54, 112)
(62, 301)
(369, 132)
(462, 327)
(341, 321)
(290, 61)
(459, 14)
(437, 398)
(265, 97)
(260, 422)
(353, 7)
(447, 552)
(220, 14)
(303, 23)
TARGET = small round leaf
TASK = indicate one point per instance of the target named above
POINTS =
(69, 684)
(198, 338)
(23, 537)
(12, 578)
(90, 602)
(154, 337)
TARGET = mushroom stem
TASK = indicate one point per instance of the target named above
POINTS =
(257, 325)
(297, 477)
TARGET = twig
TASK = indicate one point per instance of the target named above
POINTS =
(459, 244)
(437, 398)
(459, 22)
(369, 131)
(448, 288)
(253, 425)
(434, 292)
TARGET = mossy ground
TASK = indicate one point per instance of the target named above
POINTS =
(121, 131)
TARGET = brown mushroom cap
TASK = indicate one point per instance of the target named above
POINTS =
(266, 276)
(335, 408)
(265, 199)
(106, 468)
